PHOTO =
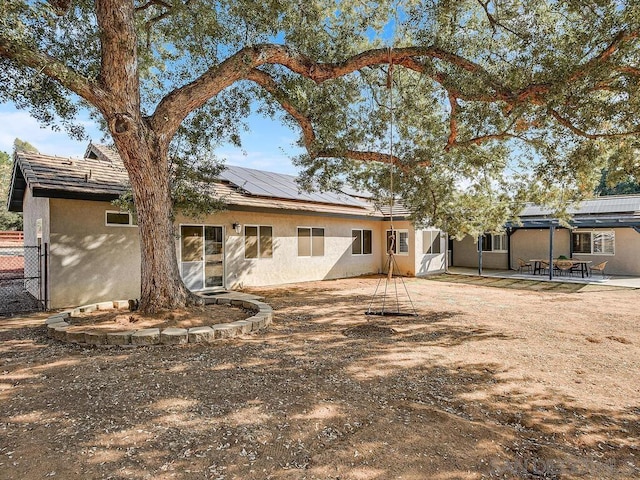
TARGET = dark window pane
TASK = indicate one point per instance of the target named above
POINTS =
(435, 244)
(581, 242)
(366, 242)
(250, 242)
(115, 218)
(356, 244)
(486, 243)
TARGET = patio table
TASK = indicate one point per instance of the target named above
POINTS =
(537, 265)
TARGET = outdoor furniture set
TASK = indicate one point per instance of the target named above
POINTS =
(562, 266)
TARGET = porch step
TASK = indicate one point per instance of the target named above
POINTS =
(230, 295)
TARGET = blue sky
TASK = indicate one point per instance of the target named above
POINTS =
(267, 146)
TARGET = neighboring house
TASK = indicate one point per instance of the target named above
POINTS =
(602, 229)
(271, 233)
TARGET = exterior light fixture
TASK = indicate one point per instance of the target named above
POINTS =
(237, 227)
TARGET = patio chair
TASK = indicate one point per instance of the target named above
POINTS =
(564, 267)
(522, 264)
(544, 267)
(598, 268)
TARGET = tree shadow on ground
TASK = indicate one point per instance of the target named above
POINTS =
(300, 401)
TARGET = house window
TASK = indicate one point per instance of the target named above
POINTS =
(594, 243)
(361, 242)
(310, 242)
(119, 219)
(258, 241)
(431, 242)
(401, 246)
(494, 243)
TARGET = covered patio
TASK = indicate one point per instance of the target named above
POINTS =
(608, 280)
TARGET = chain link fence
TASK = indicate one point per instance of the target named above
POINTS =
(21, 273)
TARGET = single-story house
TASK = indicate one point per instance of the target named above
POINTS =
(271, 233)
(602, 229)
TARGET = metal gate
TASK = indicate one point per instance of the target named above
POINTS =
(23, 274)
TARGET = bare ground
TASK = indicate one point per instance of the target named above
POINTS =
(484, 383)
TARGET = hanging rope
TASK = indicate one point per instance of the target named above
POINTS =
(391, 262)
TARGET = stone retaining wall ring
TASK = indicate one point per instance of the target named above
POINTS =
(60, 325)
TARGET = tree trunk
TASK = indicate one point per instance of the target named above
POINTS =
(147, 164)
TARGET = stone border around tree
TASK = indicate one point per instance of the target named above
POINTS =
(58, 325)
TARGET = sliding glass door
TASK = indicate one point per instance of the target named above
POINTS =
(202, 256)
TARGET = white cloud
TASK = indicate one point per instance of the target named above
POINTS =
(19, 124)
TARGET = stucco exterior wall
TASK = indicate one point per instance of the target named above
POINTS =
(92, 262)
(286, 266)
(529, 244)
(428, 263)
(465, 254)
(534, 243)
(89, 261)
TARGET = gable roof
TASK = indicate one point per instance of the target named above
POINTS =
(101, 175)
(614, 204)
(600, 212)
(62, 177)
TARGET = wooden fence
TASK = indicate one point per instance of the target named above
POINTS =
(11, 238)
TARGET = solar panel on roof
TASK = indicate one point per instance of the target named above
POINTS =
(278, 185)
(593, 206)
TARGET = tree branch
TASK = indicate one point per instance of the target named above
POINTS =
(602, 57)
(55, 69)
(308, 134)
(592, 136)
(180, 102)
(60, 6)
(453, 123)
(150, 3)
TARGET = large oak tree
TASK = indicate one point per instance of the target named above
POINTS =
(488, 98)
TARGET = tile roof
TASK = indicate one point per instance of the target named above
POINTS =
(101, 175)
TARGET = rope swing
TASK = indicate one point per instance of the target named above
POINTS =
(388, 302)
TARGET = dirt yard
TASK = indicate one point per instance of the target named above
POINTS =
(484, 383)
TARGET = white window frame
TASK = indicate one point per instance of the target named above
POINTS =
(399, 232)
(131, 219)
(311, 229)
(361, 230)
(427, 241)
(503, 243)
(592, 243)
(244, 238)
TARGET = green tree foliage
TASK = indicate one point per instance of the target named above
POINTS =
(8, 220)
(625, 186)
(492, 101)
(23, 146)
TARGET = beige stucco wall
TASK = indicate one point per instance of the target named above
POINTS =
(90, 262)
(529, 244)
(534, 243)
(465, 254)
(427, 264)
(285, 266)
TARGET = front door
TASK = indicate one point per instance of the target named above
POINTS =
(202, 256)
